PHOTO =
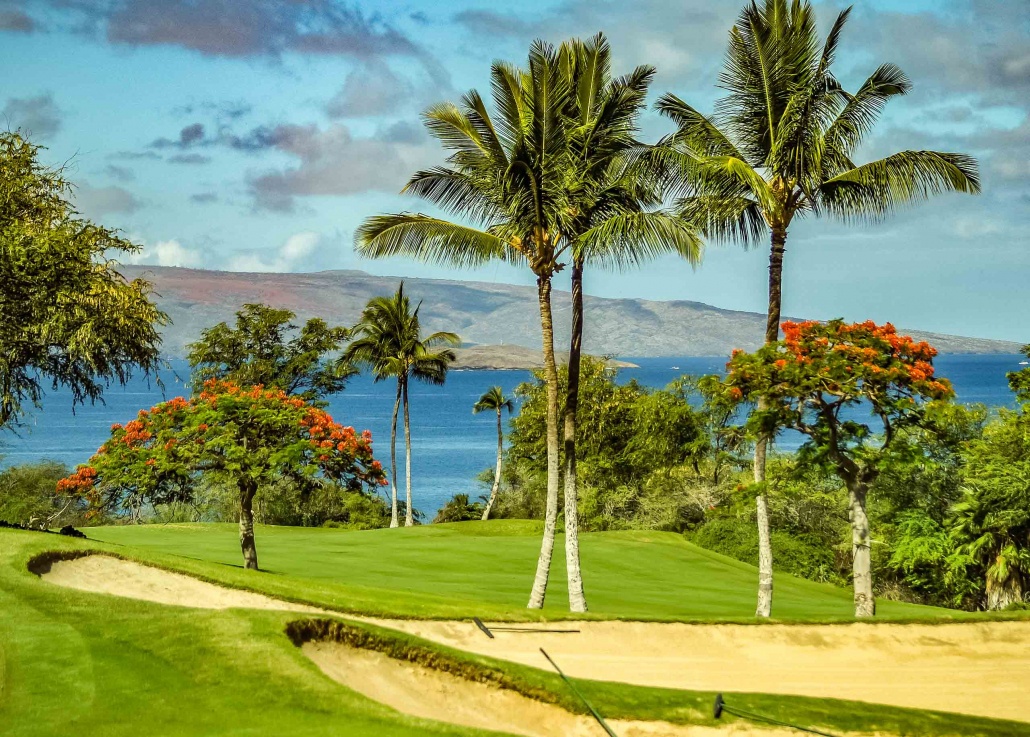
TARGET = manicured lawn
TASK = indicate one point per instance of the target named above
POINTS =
(78, 663)
(486, 569)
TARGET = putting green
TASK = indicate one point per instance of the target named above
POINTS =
(485, 569)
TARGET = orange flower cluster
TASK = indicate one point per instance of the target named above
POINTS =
(80, 481)
(874, 350)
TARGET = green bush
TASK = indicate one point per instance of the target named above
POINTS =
(799, 554)
(28, 496)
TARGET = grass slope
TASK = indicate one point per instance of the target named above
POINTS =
(485, 569)
(87, 664)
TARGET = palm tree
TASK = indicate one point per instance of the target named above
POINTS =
(615, 194)
(494, 399)
(389, 340)
(780, 147)
(513, 174)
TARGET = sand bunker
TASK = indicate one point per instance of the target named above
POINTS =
(431, 694)
(974, 668)
(103, 574)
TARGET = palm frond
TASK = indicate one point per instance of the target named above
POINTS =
(879, 187)
(428, 239)
(630, 239)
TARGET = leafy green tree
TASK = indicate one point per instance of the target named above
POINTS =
(67, 317)
(389, 340)
(781, 146)
(520, 175)
(808, 382)
(493, 400)
(246, 437)
(459, 509)
(990, 524)
(633, 444)
(1019, 381)
(28, 496)
(265, 348)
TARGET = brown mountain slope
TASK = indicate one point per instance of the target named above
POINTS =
(482, 313)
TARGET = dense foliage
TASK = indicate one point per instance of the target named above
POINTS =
(28, 497)
(67, 317)
(646, 457)
(244, 437)
(266, 348)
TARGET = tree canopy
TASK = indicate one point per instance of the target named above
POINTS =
(266, 348)
(247, 437)
(67, 317)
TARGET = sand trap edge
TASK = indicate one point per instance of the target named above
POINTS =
(435, 657)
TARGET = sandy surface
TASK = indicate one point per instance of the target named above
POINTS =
(103, 574)
(431, 694)
(973, 668)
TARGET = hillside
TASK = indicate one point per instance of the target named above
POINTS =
(482, 313)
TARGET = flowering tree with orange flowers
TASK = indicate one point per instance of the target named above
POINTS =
(246, 436)
(816, 380)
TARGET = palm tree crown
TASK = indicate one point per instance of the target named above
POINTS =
(781, 142)
(493, 400)
(389, 340)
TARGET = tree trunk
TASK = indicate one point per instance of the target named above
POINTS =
(765, 562)
(394, 522)
(543, 565)
(409, 518)
(1002, 593)
(772, 333)
(247, 491)
(497, 471)
(862, 573)
(577, 597)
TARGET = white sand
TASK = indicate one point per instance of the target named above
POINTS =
(431, 694)
(973, 668)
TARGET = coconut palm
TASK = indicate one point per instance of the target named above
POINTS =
(389, 340)
(780, 146)
(512, 174)
(494, 400)
(615, 196)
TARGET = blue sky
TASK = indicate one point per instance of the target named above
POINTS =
(255, 136)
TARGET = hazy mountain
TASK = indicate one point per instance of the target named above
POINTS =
(482, 313)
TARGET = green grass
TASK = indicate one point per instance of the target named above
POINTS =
(86, 664)
(485, 569)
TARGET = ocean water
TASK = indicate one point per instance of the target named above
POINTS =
(450, 445)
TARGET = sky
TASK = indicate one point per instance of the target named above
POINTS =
(255, 136)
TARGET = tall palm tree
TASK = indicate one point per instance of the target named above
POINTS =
(615, 195)
(388, 339)
(779, 146)
(494, 400)
(511, 174)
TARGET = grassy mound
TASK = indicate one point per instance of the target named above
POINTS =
(485, 569)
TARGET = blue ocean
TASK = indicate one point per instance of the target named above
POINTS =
(450, 445)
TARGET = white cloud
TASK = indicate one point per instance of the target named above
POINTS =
(288, 257)
(167, 253)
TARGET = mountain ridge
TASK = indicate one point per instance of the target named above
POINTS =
(483, 313)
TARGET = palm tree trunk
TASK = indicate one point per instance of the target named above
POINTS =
(247, 489)
(772, 333)
(497, 471)
(577, 597)
(394, 522)
(862, 573)
(543, 565)
(409, 518)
